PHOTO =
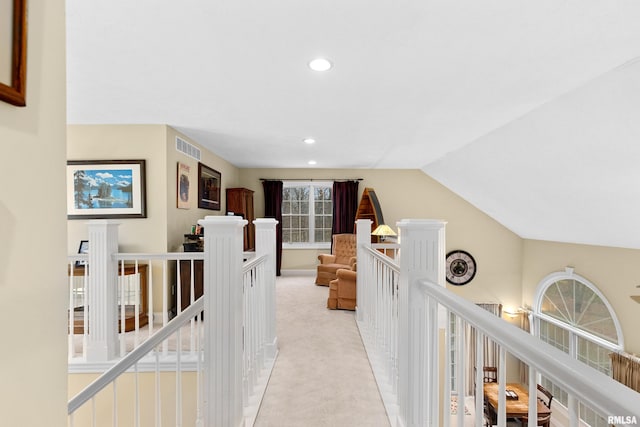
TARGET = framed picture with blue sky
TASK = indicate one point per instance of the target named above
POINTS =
(102, 189)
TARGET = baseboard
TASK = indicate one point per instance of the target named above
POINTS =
(297, 272)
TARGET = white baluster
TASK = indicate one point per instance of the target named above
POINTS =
(447, 367)
(533, 397)
(460, 367)
(72, 294)
(502, 383)
(479, 378)
(165, 303)
(121, 306)
(150, 317)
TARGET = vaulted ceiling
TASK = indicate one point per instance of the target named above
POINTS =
(528, 110)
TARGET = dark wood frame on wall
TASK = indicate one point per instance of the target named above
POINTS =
(209, 185)
(77, 171)
(14, 92)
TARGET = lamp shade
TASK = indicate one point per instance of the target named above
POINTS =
(383, 230)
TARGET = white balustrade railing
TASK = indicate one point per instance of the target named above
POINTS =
(390, 249)
(151, 350)
(404, 316)
(140, 277)
(230, 332)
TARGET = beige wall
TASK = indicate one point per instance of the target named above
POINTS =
(156, 145)
(126, 142)
(610, 269)
(412, 194)
(179, 221)
(146, 385)
(165, 225)
(509, 268)
(33, 233)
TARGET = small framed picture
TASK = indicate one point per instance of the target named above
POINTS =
(209, 183)
(183, 186)
(82, 249)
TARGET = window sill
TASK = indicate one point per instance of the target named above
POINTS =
(313, 246)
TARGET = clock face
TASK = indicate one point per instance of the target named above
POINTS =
(461, 267)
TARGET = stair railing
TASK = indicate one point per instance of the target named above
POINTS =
(419, 392)
(150, 347)
(236, 336)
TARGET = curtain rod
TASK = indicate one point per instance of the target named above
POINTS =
(311, 179)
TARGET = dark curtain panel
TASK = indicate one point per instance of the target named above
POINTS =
(345, 206)
(273, 209)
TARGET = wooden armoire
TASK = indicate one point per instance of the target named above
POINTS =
(240, 202)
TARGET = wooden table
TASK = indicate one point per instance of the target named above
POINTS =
(130, 319)
(515, 408)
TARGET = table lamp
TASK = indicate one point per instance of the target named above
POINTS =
(383, 231)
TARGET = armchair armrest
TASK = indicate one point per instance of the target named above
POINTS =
(327, 259)
(344, 274)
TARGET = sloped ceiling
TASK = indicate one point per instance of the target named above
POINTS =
(529, 110)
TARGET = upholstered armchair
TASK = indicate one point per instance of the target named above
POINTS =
(342, 290)
(343, 255)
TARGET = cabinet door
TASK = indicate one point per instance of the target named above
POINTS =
(250, 230)
(240, 202)
(185, 282)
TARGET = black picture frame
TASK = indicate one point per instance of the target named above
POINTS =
(104, 189)
(14, 91)
(82, 249)
(209, 186)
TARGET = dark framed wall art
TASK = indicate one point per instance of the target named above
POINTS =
(209, 184)
(184, 180)
(101, 189)
(13, 51)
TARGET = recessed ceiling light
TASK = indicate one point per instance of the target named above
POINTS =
(309, 140)
(320, 64)
(312, 162)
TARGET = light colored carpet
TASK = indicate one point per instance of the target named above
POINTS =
(322, 375)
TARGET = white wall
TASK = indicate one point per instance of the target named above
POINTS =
(33, 322)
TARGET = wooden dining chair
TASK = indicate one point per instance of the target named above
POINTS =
(490, 415)
(545, 397)
(490, 374)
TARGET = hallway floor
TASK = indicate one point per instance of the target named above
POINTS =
(322, 375)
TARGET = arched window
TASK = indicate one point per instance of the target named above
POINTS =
(572, 314)
(572, 302)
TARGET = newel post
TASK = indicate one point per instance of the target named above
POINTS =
(363, 239)
(223, 244)
(422, 249)
(266, 245)
(102, 292)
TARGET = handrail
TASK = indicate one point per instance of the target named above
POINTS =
(253, 262)
(138, 353)
(597, 390)
(389, 262)
(161, 256)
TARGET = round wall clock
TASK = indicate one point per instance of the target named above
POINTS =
(461, 267)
